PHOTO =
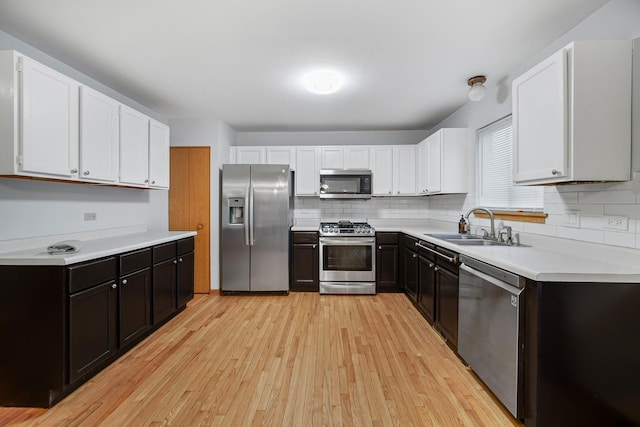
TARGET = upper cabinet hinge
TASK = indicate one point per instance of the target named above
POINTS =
(19, 160)
(19, 65)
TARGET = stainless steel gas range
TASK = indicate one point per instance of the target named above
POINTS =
(347, 258)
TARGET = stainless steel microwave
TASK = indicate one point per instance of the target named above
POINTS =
(345, 184)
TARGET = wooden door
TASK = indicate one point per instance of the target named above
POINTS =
(189, 205)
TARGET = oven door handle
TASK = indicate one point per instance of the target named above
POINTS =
(347, 241)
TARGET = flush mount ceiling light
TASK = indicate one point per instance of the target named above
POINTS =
(477, 90)
(323, 82)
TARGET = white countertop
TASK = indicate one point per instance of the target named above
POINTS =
(91, 249)
(562, 263)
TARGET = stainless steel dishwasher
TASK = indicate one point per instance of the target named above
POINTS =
(489, 320)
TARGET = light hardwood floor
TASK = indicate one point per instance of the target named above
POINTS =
(297, 360)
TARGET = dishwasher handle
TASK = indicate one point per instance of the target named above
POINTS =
(514, 290)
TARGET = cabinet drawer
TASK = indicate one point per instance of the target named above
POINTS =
(164, 252)
(305, 237)
(386, 238)
(134, 261)
(409, 242)
(85, 275)
(185, 245)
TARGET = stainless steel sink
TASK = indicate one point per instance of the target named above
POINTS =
(455, 236)
(477, 242)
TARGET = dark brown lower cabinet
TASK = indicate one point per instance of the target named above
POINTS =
(304, 261)
(446, 320)
(387, 255)
(427, 288)
(60, 325)
(410, 273)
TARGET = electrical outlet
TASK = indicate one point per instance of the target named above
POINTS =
(616, 222)
(89, 216)
(572, 218)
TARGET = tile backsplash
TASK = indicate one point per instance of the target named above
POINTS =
(576, 212)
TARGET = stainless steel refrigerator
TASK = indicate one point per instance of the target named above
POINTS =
(255, 220)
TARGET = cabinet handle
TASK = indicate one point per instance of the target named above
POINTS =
(389, 192)
(199, 227)
(124, 281)
(431, 265)
(86, 173)
(379, 247)
(436, 269)
(175, 261)
(180, 259)
(153, 182)
(398, 192)
(414, 255)
(74, 170)
(314, 246)
(555, 172)
(146, 181)
(114, 286)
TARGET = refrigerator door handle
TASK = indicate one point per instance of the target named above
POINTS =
(246, 219)
(251, 226)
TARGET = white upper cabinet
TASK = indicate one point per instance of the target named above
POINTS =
(99, 136)
(331, 157)
(381, 169)
(572, 115)
(159, 139)
(39, 119)
(250, 155)
(134, 147)
(357, 157)
(307, 174)
(404, 170)
(445, 165)
(282, 156)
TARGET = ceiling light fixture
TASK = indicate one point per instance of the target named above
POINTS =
(477, 91)
(323, 82)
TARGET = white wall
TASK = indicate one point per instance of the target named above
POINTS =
(219, 136)
(30, 208)
(618, 19)
(332, 138)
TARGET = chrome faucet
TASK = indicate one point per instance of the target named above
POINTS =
(487, 210)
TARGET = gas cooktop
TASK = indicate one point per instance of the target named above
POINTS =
(346, 228)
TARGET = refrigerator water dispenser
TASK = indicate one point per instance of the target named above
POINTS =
(236, 210)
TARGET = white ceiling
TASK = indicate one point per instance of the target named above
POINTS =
(405, 62)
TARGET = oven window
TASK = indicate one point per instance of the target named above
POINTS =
(341, 184)
(347, 258)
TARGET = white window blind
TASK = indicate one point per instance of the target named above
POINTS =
(495, 181)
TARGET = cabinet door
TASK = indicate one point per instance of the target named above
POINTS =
(382, 170)
(304, 267)
(99, 136)
(404, 170)
(410, 269)
(423, 167)
(134, 304)
(426, 288)
(250, 155)
(158, 155)
(307, 175)
(185, 275)
(387, 268)
(134, 147)
(447, 305)
(282, 156)
(332, 158)
(92, 328)
(357, 157)
(540, 121)
(48, 121)
(164, 290)
(434, 163)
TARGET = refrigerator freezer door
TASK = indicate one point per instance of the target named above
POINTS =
(235, 269)
(269, 192)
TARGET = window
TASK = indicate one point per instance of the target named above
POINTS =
(495, 170)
